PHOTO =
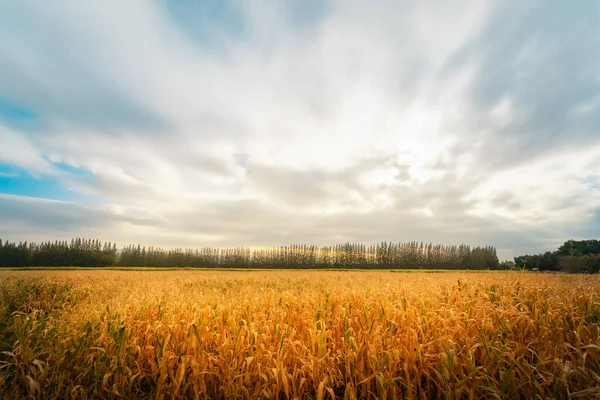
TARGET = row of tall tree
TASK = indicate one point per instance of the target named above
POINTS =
(574, 256)
(77, 252)
(410, 255)
(93, 253)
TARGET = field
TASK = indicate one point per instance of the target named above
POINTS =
(299, 334)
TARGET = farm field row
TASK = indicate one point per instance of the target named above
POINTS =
(298, 334)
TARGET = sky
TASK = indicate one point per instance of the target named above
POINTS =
(259, 123)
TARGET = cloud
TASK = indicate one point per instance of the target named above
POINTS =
(268, 123)
(18, 150)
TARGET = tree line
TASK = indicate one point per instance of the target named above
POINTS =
(385, 255)
(77, 252)
(574, 256)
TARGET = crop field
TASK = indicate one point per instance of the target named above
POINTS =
(299, 335)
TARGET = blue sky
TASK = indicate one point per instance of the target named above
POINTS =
(220, 123)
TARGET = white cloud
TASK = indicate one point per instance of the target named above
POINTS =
(544, 191)
(17, 150)
(426, 115)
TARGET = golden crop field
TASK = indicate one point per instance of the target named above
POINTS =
(299, 335)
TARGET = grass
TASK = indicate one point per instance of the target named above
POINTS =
(298, 334)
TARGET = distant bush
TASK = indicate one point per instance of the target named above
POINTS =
(508, 265)
(587, 264)
(574, 256)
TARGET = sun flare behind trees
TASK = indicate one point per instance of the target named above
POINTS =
(385, 255)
